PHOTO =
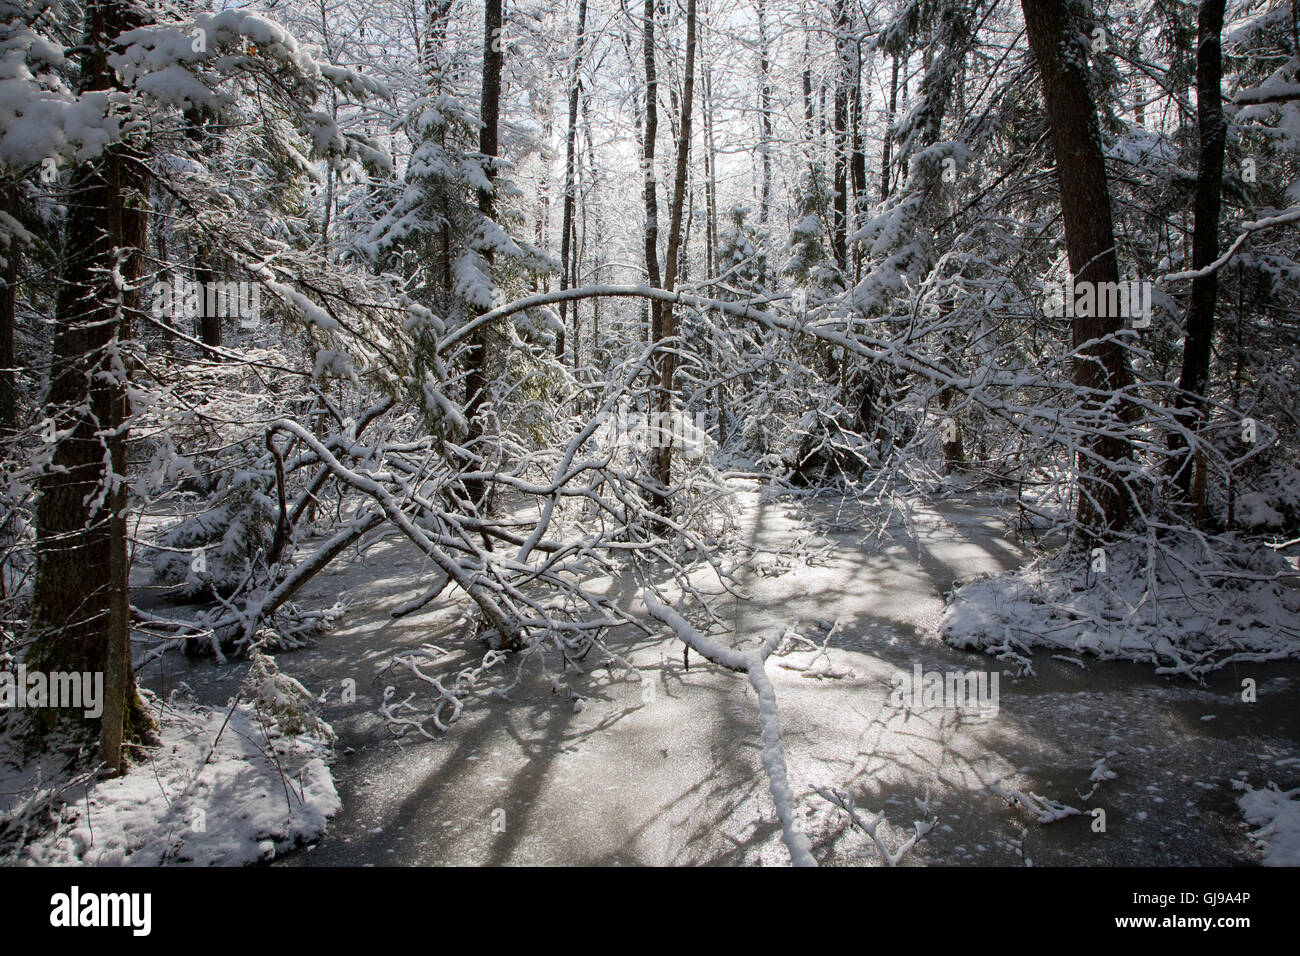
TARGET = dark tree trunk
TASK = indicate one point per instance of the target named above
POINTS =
(667, 360)
(476, 379)
(840, 218)
(570, 171)
(79, 616)
(858, 163)
(886, 156)
(209, 318)
(648, 169)
(1100, 370)
(1194, 380)
(711, 223)
(764, 115)
(810, 126)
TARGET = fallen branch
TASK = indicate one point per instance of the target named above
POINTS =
(751, 664)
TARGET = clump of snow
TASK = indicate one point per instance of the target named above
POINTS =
(1254, 511)
(1183, 607)
(1277, 814)
(1270, 500)
(222, 787)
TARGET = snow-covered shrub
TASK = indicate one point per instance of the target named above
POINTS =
(1269, 501)
(282, 701)
(222, 786)
(216, 548)
(821, 451)
(1169, 602)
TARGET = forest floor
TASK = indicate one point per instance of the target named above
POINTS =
(589, 768)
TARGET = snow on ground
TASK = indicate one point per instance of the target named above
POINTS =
(1277, 814)
(1173, 606)
(222, 786)
(595, 765)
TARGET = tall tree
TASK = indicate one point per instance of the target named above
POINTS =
(9, 193)
(80, 606)
(648, 168)
(1101, 367)
(570, 174)
(858, 163)
(888, 137)
(476, 379)
(843, 79)
(1194, 379)
(764, 113)
(668, 356)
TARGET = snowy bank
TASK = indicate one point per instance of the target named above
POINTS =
(1181, 607)
(1277, 814)
(222, 787)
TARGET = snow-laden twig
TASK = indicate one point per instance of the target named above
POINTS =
(750, 663)
(1290, 215)
(1100, 774)
(844, 800)
(1043, 809)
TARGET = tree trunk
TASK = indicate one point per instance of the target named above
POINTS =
(886, 155)
(764, 115)
(1194, 380)
(711, 214)
(570, 170)
(840, 218)
(667, 366)
(79, 618)
(648, 169)
(858, 164)
(810, 127)
(476, 380)
(209, 319)
(1100, 370)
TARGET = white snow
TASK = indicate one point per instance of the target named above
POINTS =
(1172, 606)
(222, 787)
(1277, 814)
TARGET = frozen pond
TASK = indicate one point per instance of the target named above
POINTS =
(673, 775)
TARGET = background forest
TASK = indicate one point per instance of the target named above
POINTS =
(547, 288)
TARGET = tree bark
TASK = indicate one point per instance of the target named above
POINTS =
(764, 115)
(8, 311)
(476, 380)
(1194, 379)
(79, 600)
(858, 160)
(668, 363)
(209, 319)
(840, 217)
(648, 169)
(1100, 370)
(570, 171)
(886, 156)
(711, 227)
